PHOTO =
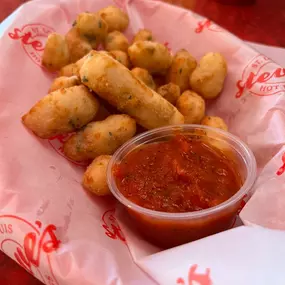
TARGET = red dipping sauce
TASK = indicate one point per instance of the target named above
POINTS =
(181, 183)
(178, 175)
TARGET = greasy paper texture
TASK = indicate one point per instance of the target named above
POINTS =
(64, 235)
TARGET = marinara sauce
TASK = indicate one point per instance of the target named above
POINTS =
(178, 175)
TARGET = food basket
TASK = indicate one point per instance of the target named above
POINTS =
(63, 235)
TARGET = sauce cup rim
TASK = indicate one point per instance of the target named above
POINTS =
(247, 155)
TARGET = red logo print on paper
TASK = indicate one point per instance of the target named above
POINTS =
(111, 226)
(57, 143)
(196, 278)
(32, 38)
(261, 77)
(281, 170)
(209, 25)
(33, 247)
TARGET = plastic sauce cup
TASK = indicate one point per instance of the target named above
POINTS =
(172, 229)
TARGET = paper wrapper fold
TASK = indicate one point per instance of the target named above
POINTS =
(63, 235)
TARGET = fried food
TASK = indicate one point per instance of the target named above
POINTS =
(102, 137)
(69, 70)
(62, 111)
(143, 35)
(92, 26)
(121, 57)
(192, 107)
(215, 122)
(95, 177)
(144, 76)
(170, 92)
(78, 45)
(64, 82)
(73, 68)
(151, 56)
(116, 84)
(209, 76)
(183, 64)
(56, 53)
(116, 41)
(116, 19)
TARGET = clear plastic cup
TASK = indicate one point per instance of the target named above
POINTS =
(172, 229)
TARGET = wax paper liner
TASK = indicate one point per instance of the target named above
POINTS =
(63, 235)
